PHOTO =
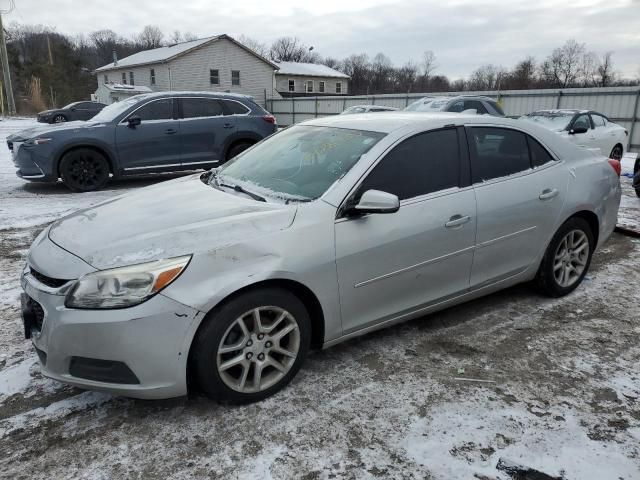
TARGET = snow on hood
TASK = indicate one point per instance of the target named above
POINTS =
(178, 217)
(45, 128)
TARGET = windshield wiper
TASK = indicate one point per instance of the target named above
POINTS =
(239, 189)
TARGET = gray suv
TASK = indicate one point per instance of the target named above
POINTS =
(482, 105)
(151, 133)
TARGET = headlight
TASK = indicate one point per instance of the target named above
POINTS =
(125, 286)
(37, 141)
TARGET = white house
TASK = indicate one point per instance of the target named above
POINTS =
(217, 63)
(294, 79)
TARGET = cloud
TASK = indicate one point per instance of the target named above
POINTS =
(463, 33)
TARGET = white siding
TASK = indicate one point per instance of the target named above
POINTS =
(141, 76)
(191, 71)
(282, 84)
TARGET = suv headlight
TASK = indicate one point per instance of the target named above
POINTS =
(124, 286)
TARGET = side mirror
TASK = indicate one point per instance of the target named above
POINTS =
(134, 121)
(73, 109)
(375, 201)
(576, 130)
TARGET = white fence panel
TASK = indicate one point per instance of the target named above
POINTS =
(620, 104)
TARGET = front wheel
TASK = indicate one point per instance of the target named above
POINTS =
(59, 119)
(252, 346)
(84, 170)
(567, 258)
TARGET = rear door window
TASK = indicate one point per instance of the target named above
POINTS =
(539, 155)
(235, 108)
(598, 120)
(425, 163)
(456, 106)
(200, 107)
(475, 105)
(497, 152)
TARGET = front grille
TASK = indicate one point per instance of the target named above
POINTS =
(48, 281)
(108, 371)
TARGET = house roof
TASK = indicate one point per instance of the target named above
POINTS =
(164, 54)
(308, 70)
(118, 87)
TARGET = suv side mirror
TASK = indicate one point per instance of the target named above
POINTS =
(134, 121)
(375, 201)
(576, 130)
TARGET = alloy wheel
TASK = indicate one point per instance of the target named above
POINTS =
(59, 119)
(258, 349)
(86, 171)
(571, 257)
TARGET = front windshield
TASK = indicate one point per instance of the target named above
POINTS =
(351, 110)
(111, 112)
(72, 104)
(299, 163)
(550, 120)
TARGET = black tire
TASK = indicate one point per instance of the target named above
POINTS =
(217, 323)
(546, 279)
(616, 152)
(636, 176)
(59, 118)
(84, 170)
(236, 149)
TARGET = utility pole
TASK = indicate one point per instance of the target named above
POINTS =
(5, 70)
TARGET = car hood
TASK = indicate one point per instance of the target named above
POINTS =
(178, 217)
(48, 112)
(47, 129)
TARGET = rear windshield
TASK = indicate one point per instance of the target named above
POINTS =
(550, 120)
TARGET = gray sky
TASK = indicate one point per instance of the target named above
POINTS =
(463, 33)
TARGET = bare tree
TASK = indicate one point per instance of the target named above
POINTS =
(291, 49)
(606, 75)
(255, 45)
(359, 69)
(406, 77)
(565, 65)
(150, 37)
(176, 37)
(429, 65)
(487, 77)
(189, 36)
(523, 75)
(331, 62)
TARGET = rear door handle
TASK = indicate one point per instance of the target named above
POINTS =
(548, 194)
(457, 221)
(170, 131)
(228, 125)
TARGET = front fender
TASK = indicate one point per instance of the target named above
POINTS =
(106, 145)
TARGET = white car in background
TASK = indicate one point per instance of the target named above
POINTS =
(585, 128)
(368, 109)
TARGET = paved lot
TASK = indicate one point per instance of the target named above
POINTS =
(553, 384)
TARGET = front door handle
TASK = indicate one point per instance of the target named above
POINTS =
(548, 194)
(170, 131)
(228, 125)
(457, 221)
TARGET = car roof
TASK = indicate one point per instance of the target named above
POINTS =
(569, 111)
(395, 120)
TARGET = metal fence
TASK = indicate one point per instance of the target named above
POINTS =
(620, 104)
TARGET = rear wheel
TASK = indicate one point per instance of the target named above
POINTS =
(616, 152)
(567, 258)
(84, 170)
(237, 149)
(59, 118)
(252, 346)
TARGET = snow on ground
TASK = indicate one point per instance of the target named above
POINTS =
(549, 383)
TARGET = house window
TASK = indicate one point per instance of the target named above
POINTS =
(321, 87)
(106, 79)
(131, 78)
(338, 87)
(292, 85)
(309, 86)
(214, 77)
(235, 77)
(124, 78)
(152, 76)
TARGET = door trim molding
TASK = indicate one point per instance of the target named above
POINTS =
(412, 267)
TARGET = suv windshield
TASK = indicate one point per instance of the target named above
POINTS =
(299, 163)
(550, 120)
(111, 112)
(427, 105)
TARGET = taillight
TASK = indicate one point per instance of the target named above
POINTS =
(269, 119)
(615, 164)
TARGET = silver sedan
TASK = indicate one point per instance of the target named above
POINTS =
(325, 231)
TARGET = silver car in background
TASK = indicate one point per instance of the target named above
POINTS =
(325, 231)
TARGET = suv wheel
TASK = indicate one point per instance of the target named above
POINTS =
(84, 170)
(567, 258)
(252, 346)
(237, 149)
